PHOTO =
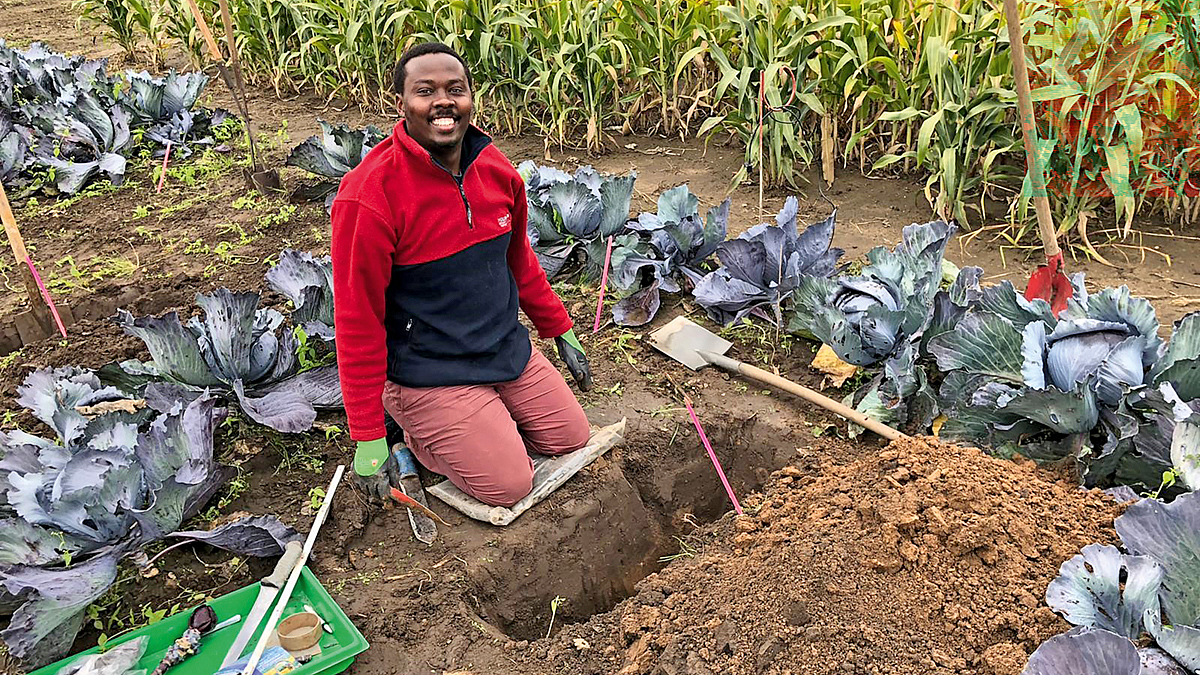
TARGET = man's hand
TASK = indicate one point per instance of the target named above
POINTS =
(571, 352)
(375, 470)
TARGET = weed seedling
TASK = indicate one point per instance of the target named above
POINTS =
(306, 353)
(316, 497)
(8, 359)
(624, 346)
(686, 550)
(234, 489)
(558, 600)
(1168, 480)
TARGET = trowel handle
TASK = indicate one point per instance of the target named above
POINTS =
(287, 562)
(405, 460)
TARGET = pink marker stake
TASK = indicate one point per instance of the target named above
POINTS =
(712, 455)
(46, 296)
(603, 286)
(162, 176)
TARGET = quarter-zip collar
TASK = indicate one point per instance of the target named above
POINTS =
(474, 143)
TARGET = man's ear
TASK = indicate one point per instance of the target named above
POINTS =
(400, 105)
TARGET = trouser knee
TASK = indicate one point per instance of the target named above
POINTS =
(509, 488)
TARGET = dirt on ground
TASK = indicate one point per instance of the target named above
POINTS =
(921, 558)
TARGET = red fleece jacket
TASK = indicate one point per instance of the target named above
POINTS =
(422, 274)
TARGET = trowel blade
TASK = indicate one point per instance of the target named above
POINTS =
(423, 526)
(683, 340)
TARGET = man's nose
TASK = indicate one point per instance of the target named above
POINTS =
(444, 100)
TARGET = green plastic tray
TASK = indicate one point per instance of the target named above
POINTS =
(337, 649)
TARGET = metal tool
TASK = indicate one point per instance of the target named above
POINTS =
(286, 593)
(267, 590)
(693, 346)
(34, 288)
(423, 526)
(227, 622)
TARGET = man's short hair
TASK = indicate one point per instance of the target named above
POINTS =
(421, 50)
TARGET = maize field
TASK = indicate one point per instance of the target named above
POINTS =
(878, 86)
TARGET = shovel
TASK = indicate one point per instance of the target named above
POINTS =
(1048, 282)
(258, 176)
(693, 346)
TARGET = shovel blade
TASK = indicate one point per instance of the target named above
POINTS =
(423, 526)
(1049, 283)
(684, 340)
(265, 181)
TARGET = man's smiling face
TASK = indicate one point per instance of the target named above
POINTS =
(437, 104)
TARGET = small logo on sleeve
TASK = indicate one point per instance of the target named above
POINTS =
(505, 221)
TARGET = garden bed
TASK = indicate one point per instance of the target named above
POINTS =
(815, 544)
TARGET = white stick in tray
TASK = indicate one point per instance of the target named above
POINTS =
(269, 626)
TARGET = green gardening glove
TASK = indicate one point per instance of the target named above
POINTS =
(375, 470)
(571, 352)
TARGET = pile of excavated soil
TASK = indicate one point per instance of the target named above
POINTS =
(923, 558)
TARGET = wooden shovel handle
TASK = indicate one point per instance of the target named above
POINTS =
(37, 304)
(10, 228)
(1041, 202)
(771, 379)
(209, 40)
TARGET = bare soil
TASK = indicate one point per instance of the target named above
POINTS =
(920, 558)
(853, 557)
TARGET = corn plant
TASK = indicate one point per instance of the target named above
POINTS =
(893, 85)
(767, 36)
(179, 25)
(268, 40)
(349, 49)
(128, 21)
(577, 69)
(667, 45)
(1101, 72)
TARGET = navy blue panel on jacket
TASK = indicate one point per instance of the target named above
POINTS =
(455, 322)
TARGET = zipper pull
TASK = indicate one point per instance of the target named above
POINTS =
(408, 326)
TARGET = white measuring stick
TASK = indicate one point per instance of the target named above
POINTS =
(269, 626)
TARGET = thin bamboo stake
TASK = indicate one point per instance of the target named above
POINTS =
(286, 593)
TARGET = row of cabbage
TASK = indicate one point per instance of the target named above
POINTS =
(127, 457)
(1095, 383)
(981, 364)
(64, 121)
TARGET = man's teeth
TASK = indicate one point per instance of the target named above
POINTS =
(444, 122)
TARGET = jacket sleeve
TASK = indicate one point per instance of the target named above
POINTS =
(538, 300)
(363, 242)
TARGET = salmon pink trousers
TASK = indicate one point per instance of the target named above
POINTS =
(478, 435)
